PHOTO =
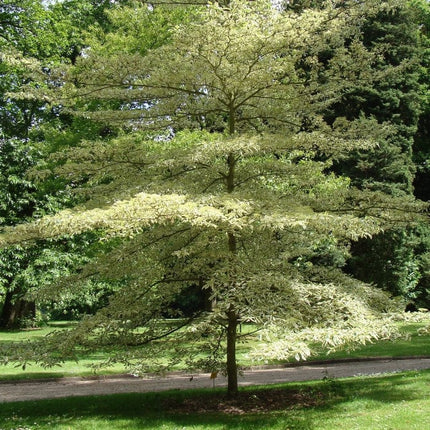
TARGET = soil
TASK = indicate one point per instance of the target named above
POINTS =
(257, 401)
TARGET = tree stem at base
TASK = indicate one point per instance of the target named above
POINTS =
(232, 388)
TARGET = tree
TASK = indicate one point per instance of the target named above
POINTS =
(221, 182)
(392, 259)
(18, 200)
(421, 147)
(19, 197)
(30, 130)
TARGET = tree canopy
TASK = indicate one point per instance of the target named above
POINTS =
(221, 179)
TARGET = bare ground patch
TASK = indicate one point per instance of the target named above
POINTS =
(255, 401)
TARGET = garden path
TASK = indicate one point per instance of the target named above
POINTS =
(12, 391)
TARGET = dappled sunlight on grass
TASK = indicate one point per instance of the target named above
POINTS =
(396, 401)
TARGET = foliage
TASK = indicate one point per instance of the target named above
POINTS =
(393, 260)
(421, 147)
(414, 341)
(396, 261)
(20, 199)
(395, 99)
(226, 187)
(402, 268)
(27, 129)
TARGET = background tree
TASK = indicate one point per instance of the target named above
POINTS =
(30, 129)
(19, 197)
(394, 259)
(225, 188)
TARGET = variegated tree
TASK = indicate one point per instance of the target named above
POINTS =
(221, 181)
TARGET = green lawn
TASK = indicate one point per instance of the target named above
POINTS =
(416, 346)
(396, 402)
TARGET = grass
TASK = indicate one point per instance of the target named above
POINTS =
(413, 345)
(396, 402)
(416, 346)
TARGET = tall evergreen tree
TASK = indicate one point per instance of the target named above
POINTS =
(422, 137)
(396, 260)
(393, 260)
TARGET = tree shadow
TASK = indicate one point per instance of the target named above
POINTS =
(292, 406)
(391, 388)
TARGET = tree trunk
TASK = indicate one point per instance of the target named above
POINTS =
(208, 302)
(232, 383)
(232, 317)
(232, 387)
(15, 310)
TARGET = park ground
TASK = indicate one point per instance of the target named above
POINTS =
(396, 401)
(325, 398)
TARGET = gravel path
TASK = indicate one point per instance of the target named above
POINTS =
(11, 391)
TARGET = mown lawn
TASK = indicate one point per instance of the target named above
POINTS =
(396, 402)
(415, 346)
(412, 345)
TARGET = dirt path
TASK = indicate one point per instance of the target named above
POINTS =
(12, 391)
